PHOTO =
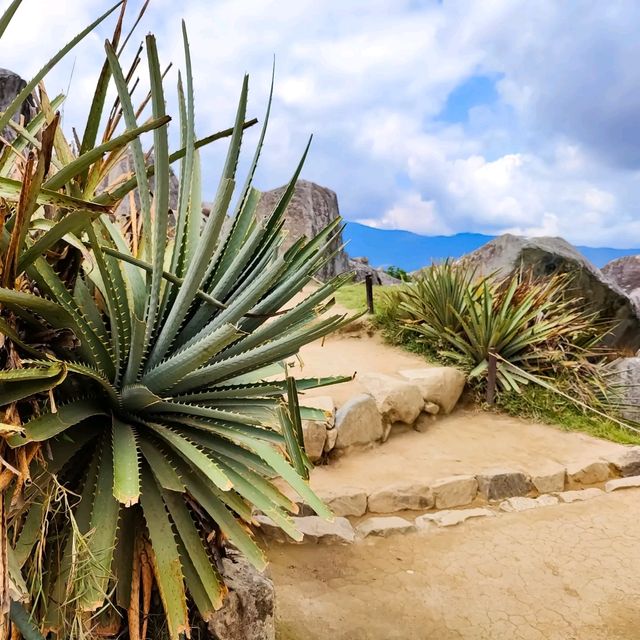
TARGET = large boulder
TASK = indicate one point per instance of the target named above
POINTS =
(358, 422)
(441, 386)
(11, 84)
(311, 209)
(249, 609)
(625, 272)
(547, 256)
(397, 400)
(361, 268)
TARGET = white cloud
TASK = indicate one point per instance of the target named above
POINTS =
(557, 153)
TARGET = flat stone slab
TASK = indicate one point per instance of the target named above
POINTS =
(400, 497)
(586, 473)
(551, 479)
(316, 529)
(384, 526)
(346, 502)
(578, 496)
(622, 483)
(454, 491)
(524, 504)
(450, 518)
(500, 484)
(627, 463)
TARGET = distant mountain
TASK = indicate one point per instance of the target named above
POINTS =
(410, 251)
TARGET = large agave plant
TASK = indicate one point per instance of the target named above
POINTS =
(142, 388)
(535, 326)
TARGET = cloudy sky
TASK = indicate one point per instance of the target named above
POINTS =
(436, 117)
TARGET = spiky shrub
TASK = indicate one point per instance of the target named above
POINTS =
(142, 389)
(533, 327)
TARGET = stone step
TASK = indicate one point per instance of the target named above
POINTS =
(342, 531)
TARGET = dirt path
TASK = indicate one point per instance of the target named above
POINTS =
(566, 572)
(465, 442)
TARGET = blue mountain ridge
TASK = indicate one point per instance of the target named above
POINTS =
(411, 251)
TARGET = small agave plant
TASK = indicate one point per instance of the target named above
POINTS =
(145, 408)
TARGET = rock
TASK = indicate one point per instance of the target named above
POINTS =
(585, 473)
(524, 504)
(401, 497)
(316, 529)
(424, 422)
(249, 608)
(325, 404)
(501, 484)
(546, 256)
(11, 84)
(315, 436)
(269, 529)
(550, 480)
(384, 526)
(431, 408)
(441, 385)
(454, 491)
(627, 463)
(622, 483)
(450, 518)
(315, 431)
(330, 442)
(579, 496)
(623, 384)
(358, 422)
(311, 209)
(397, 400)
(346, 502)
(625, 272)
(362, 269)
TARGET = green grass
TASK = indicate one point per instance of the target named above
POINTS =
(533, 403)
(354, 296)
(542, 405)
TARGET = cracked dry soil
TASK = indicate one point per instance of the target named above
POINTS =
(566, 572)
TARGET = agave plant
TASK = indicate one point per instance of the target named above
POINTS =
(531, 326)
(143, 390)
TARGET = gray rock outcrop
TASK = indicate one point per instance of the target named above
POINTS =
(11, 84)
(361, 267)
(625, 272)
(249, 609)
(311, 209)
(547, 256)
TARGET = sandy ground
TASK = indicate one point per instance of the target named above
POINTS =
(465, 442)
(348, 354)
(566, 572)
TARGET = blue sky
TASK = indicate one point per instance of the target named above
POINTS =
(436, 117)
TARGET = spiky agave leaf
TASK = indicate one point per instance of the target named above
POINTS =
(153, 387)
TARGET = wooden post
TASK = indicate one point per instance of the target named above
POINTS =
(492, 370)
(368, 283)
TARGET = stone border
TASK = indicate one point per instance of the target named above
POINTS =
(412, 398)
(504, 489)
(342, 531)
(490, 486)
